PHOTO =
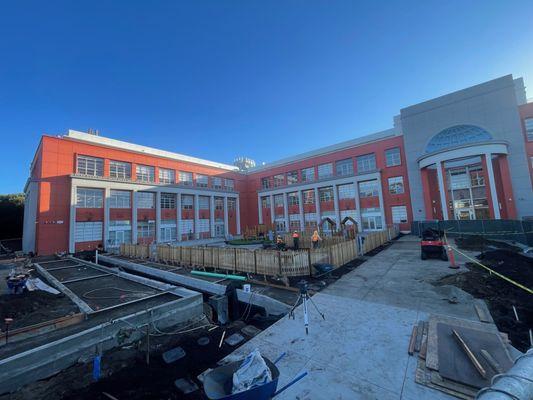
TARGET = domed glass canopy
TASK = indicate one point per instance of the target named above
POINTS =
(456, 136)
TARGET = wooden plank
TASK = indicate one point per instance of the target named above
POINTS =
(470, 354)
(411, 348)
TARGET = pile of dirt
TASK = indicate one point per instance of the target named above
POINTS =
(31, 308)
(500, 297)
(513, 265)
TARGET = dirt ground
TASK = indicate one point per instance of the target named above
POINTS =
(31, 308)
(500, 297)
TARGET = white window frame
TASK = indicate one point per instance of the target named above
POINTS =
(88, 231)
(325, 194)
(308, 174)
(344, 167)
(292, 177)
(364, 189)
(279, 180)
(89, 166)
(346, 191)
(120, 170)
(202, 180)
(168, 201)
(216, 183)
(167, 176)
(145, 200)
(399, 214)
(185, 178)
(325, 170)
(89, 198)
(119, 199)
(528, 124)
(393, 157)
(366, 163)
(229, 184)
(396, 185)
(292, 199)
(145, 173)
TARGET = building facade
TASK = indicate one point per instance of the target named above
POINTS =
(465, 155)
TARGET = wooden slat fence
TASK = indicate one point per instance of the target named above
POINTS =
(264, 262)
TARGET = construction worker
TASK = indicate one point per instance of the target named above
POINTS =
(280, 244)
(296, 240)
(315, 239)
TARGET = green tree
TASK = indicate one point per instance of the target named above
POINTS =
(11, 215)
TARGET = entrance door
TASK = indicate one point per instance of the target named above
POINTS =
(219, 230)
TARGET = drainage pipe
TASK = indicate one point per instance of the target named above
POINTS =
(515, 384)
(216, 275)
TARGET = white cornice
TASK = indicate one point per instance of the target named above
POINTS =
(118, 144)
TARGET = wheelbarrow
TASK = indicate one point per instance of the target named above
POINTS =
(218, 383)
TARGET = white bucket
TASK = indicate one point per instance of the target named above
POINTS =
(247, 288)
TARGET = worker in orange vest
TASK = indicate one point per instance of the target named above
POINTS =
(296, 240)
(315, 239)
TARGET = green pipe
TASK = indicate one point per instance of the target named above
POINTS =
(216, 275)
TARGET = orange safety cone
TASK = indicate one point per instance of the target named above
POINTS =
(451, 257)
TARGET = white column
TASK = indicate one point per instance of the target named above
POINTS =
(301, 209)
(196, 216)
(336, 205)
(317, 208)
(492, 184)
(381, 203)
(358, 207)
(134, 217)
(442, 191)
(226, 222)
(286, 212)
(272, 208)
(238, 216)
(178, 217)
(72, 221)
(106, 216)
(212, 215)
(260, 209)
(158, 216)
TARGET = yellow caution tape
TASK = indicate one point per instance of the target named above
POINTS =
(494, 272)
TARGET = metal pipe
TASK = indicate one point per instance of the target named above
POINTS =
(517, 383)
(216, 275)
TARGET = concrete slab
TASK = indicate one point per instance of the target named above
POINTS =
(360, 350)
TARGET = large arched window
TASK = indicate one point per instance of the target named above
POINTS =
(456, 136)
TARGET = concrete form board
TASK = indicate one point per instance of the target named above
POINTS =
(51, 358)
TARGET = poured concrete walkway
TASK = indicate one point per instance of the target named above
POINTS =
(360, 350)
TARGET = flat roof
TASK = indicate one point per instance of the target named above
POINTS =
(118, 144)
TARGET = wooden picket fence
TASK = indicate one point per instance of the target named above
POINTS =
(263, 262)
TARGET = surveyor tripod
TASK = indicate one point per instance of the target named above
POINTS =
(304, 298)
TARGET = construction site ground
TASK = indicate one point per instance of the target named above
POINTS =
(360, 350)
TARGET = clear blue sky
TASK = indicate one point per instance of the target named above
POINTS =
(217, 79)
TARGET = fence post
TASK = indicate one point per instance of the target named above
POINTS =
(309, 261)
(235, 263)
(279, 262)
(255, 261)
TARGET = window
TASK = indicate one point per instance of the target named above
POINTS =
(167, 175)
(528, 122)
(309, 196)
(88, 231)
(392, 157)
(117, 237)
(292, 177)
(185, 178)
(217, 183)
(187, 202)
(344, 167)
(219, 203)
(278, 200)
(145, 229)
(292, 199)
(168, 200)
(89, 198)
(325, 171)
(145, 200)
(371, 219)
(168, 234)
(202, 180)
(229, 184)
(325, 194)
(347, 191)
(90, 166)
(399, 214)
(396, 185)
(203, 203)
(265, 183)
(477, 178)
(119, 199)
(368, 189)
(308, 174)
(265, 202)
(366, 163)
(145, 173)
(279, 180)
(119, 170)
(232, 203)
